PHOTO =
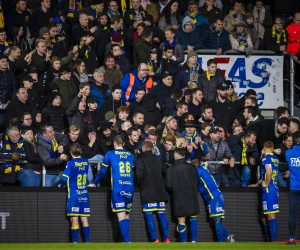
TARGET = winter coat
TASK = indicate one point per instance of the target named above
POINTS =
(15, 109)
(112, 76)
(161, 92)
(182, 181)
(149, 178)
(223, 151)
(162, 22)
(271, 44)
(110, 105)
(67, 90)
(34, 161)
(123, 64)
(101, 96)
(40, 63)
(8, 85)
(169, 106)
(178, 52)
(216, 42)
(56, 117)
(38, 20)
(199, 18)
(235, 44)
(293, 45)
(209, 88)
(252, 31)
(141, 52)
(212, 15)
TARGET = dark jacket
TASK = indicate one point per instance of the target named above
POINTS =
(270, 44)
(34, 161)
(56, 117)
(161, 92)
(209, 88)
(195, 109)
(170, 66)
(13, 17)
(67, 90)
(182, 76)
(40, 63)
(285, 8)
(149, 178)
(109, 105)
(223, 151)
(211, 15)
(123, 64)
(102, 36)
(167, 158)
(141, 52)
(236, 146)
(191, 38)
(15, 108)
(33, 98)
(8, 85)
(216, 42)
(38, 20)
(182, 181)
(169, 106)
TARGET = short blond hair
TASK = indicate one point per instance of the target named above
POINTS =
(74, 128)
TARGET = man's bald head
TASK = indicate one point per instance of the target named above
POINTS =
(84, 19)
(297, 17)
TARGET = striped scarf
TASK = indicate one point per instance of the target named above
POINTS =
(132, 13)
(209, 75)
(74, 5)
(194, 76)
(53, 143)
(219, 32)
(8, 167)
(111, 14)
(193, 16)
(4, 46)
(277, 36)
(235, 16)
(244, 150)
(241, 37)
(124, 6)
(96, 11)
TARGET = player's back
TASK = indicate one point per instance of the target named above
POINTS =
(76, 171)
(272, 161)
(121, 162)
(208, 186)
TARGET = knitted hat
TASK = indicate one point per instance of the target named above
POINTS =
(109, 115)
(278, 21)
(57, 20)
(117, 37)
(43, 31)
(137, 17)
(229, 84)
(165, 74)
(53, 95)
(64, 70)
(190, 54)
(153, 51)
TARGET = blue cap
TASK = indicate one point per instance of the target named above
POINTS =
(57, 20)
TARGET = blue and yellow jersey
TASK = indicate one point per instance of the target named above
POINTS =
(192, 138)
(208, 187)
(270, 161)
(121, 162)
(75, 175)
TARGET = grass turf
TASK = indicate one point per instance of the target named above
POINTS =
(150, 246)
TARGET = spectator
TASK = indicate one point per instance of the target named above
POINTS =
(50, 148)
(250, 116)
(131, 81)
(189, 72)
(18, 38)
(235, 15)
(223, 109)
(181, 108)
(82, 29)
(112, 9)
(218, 150)
(11, 149)
(240, 39)
(41, 58)
(293, 31)
(188, 36)
(136, 15)
(250, 29)
(217, 3)
(4, 45)
(65, 9)
(33, 95)
(87, 54)
(170, 103)
(151, 9)
(78, 73)
(206, 115)
(194, 13)
(196, 103)
(231, 94)
(204, 130)
(54, 114)
(15, 52)
(161, 5)
(218, 38)
(170, 16)
(210, 11)
(112, 103)
(244, 149)
(112, 74)
(138, 121)
(275, 39)
(105, 137)
(120, 60)
(40, 18)
(240, 104)
(141, 53)
(30, 173)
(210, 79)
(294, 125)
(282, 111)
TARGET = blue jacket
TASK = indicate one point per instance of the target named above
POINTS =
(215, 42)
(182, 76)
(293, 161)
(137, 83)
(101, 97)
(200, 19)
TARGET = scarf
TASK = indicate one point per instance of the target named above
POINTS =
(83, 78)
(96, 11)
(276, 37)
(251, 25)
(244, 156)
(74, 5)
(111, 14)
(124, 6)
(8, 167)
(173, 44)
(4, 46)
(219, 32)
(259, 13)
(153, 67)
(86, 51)
(209, 75)
(53, 143)
(193, 16)
(194, 76)
(241, 37)
(235, 16)
(132, 13)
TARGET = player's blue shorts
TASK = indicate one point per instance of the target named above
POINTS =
(152, 207)
(121, 200)
(216, 207)
(79, 206)
(270, 202)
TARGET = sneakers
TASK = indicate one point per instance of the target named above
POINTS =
(231, 238)
(167, 240)
(156, 241)
(291, 242)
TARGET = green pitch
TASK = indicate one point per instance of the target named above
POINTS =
(150, 246)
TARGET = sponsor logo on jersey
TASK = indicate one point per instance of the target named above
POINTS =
(161, 204)
(82, 198)
(86, 210)
(295, 162)
(219, 209)
(75, 209)
(121, 204)
(275, 206)
(152, 204)
(129, 205)
(265, 206)
(126, 194)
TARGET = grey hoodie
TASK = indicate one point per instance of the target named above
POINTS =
(185, 20)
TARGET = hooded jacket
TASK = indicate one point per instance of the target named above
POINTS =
(199, 18)
(141, 52)
(101, 96)
(110, 105)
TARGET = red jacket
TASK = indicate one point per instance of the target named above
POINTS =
(293, 31)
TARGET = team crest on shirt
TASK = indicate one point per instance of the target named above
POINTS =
(75, 209)
(129, 205)
(161, 204)
(86, 210)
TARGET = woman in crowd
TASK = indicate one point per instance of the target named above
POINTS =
(170, 16)
(17, 38)
(78, 73)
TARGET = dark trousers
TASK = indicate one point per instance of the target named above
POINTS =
(294, 208)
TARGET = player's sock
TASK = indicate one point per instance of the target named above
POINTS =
(150, 225)
(266, 231)
(74, 232)
(219, 230)
(273, 229)
(194, 228)
(225, 232)
(123, 224)
(181, 229)
(164, 224)
(86, 234)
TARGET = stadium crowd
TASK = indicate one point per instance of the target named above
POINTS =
(85, 71)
